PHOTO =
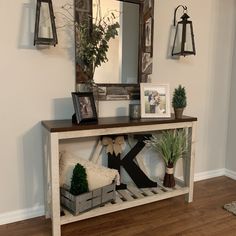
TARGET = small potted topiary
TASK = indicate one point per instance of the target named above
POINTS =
(79, 182)
(179, 101)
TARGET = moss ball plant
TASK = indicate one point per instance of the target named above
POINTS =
(79, 183)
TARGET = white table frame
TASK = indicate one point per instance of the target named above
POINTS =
(51, 162)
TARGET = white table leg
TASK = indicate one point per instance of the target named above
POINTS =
(47, 182)
(189, 165)
(55, 196)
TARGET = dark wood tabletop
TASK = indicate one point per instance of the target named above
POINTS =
(109, 122)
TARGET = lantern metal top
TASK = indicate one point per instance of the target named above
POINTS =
(185, 10)
(185, 17)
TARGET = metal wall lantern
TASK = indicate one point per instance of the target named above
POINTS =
(184, 44)
(45, 28)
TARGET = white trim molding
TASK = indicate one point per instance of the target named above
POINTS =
(209, 174)
(206, 175)
(231, 174)
(19, 215)
(37, 211)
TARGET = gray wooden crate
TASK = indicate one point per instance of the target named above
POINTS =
(87, 201)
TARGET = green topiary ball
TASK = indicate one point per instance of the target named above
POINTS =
(79, 183)
(179, 98)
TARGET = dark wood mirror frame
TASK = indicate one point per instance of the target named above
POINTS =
(83, 12)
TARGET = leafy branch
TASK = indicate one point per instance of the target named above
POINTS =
(92, 42)
(172, 145)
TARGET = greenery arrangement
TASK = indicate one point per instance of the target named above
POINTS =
(92, 46)
(179, 98)
(171, 145)
(79, 183)
(93, 36)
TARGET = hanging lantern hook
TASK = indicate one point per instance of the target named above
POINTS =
(185, 10)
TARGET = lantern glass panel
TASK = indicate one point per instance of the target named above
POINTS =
(178, 39)
(188, 46)
(45, 27)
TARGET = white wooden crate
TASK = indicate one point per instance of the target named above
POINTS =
(87, 201)
(130, 197)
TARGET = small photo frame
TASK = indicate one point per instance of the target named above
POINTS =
(147, 63)
(84, 107)
(83, 5)
(148, 4)
(155, 100)
(148, 33)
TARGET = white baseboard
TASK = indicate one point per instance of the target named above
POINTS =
(206, 175)
(209, 174)
(231, 174)
(25, 214)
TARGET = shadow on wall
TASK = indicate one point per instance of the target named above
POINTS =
(231, 135)
(63, 108)
(30, 158)
(26, 26)
(65, 32)
(31, 161)
(171, 43)
(122, 111)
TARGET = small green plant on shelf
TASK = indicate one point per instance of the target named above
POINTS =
(179, 101)
(171, 145)
(79, 183)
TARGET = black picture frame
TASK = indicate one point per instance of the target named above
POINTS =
(84, 106)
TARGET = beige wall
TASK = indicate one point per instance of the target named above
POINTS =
(36, 85)
(206, 76)
(230, 157)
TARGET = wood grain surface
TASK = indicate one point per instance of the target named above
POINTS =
(110, 122)
(204, 216)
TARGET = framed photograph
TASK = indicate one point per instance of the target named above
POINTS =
(148, 34)
(148, 5)
(84, 106)
(146, 63)
(83, 5)
(155, 100)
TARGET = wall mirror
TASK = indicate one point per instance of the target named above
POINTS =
(130, 52)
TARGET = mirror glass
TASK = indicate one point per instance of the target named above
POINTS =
(123, 53)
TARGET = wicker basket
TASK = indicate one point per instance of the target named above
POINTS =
(87, 201)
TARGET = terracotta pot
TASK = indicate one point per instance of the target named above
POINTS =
(178, 113)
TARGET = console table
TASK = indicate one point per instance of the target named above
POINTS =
(57, 130)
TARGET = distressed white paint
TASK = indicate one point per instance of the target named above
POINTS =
(53, 147)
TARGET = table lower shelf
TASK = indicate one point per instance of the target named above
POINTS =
(131, 197)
